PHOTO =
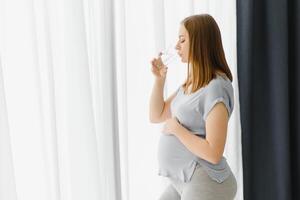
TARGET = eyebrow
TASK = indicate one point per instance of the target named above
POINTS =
(181, 36)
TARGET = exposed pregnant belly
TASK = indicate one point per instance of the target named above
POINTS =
(172, 153)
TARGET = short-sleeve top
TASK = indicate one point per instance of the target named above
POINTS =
(175, 160)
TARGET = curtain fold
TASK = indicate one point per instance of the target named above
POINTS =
(268, 70)
(64, 143)
(7, 181)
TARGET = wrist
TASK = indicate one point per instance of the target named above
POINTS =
(179, 129)
(160, 79)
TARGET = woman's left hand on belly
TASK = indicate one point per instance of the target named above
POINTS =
(171, 126)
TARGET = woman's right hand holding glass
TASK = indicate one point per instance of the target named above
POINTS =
(158, 69)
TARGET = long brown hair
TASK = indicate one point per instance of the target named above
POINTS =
(206, 54)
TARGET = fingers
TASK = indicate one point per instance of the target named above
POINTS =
(152, 63)
(163, 71)
(157, 63)
(158, 68)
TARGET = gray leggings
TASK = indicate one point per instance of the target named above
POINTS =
(201, 187)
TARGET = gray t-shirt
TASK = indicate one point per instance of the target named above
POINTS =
(191, 110)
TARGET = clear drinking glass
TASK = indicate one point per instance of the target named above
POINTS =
(169, 55)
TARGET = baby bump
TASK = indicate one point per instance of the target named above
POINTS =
(172, 153)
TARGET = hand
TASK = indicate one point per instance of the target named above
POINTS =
(171, 126)
(158, 68)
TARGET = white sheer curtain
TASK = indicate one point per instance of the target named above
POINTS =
(58, 114)
(75, 82)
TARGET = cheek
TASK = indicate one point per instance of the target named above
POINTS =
(186, 51)
(186, 48)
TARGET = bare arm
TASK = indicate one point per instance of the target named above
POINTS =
(159, 109)
(157, 100)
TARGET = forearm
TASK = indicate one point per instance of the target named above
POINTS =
(197, 145)
(157, 99)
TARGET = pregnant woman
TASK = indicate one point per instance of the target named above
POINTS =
(195, 116)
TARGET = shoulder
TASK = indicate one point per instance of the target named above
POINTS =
(218, 90)
(219, 85)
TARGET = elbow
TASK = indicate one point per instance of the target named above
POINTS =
(216, 159)
(153, 120)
